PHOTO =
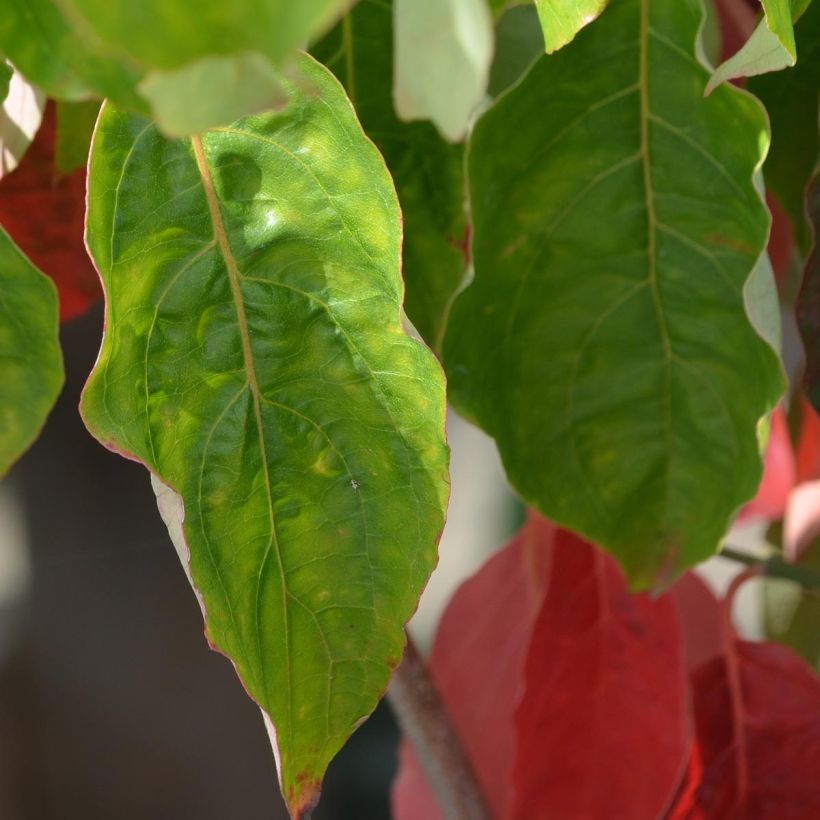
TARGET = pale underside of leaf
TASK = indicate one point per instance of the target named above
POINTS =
(770, 48)
(255, 361)
(604, 341)
(443, 51)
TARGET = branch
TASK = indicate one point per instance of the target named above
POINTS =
(775, 567)
(424, 721)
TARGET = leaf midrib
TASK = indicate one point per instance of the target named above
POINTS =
(221, 237)
(651, 250)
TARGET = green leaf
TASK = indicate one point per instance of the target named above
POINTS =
(190, 63)
(255, 361)
(75, 124)
(428, 172)
(792, 101)
(519, 42)
(443, 51)
(31, 364)
(66, 63)
(770, 48)
(604, 341)
(561, 20)
(215, 89)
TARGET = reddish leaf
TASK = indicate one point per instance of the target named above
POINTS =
(44, 215)
(757, 717)
(700, 620)
(757, 733)
(781, 242)
(477, 664)
(778, 473)
(605, 699)
(808, 444)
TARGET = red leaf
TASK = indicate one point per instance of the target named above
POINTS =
(477, 664)
(757, 717)
(44, 215)
(808, 444)
(778, 473)
(700, 620)
(757, 733)
(605, 699)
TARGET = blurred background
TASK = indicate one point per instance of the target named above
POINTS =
(111, 703)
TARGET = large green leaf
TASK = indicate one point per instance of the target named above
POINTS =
(31, 365)
(770, 48)
(792, 100)
(604, 341)
(191, 63)
(428, 171)
(561, 20)
(255, 361)
(443, 51)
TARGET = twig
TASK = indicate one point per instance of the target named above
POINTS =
(424, 722)
(775, 567)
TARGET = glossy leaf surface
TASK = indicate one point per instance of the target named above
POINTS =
(254, 360)
(31, 364)
(604, 342)
(771, 46)
(427, 171)
(561, 20)
(604, 687)
(443, 51)
(44, 212)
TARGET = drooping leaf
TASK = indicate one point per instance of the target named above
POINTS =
(20, 118)
(44, 213)
(757, 750)
(770, 48)
(443, 51)
(792, 101)
(192, 64)
(31, 364)
(75, 124)
(477, 664)
(428, 172)
(808, 300)
(254, 360)
(561, 20)
(519, 42)
(604, 342)
(604, 688)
